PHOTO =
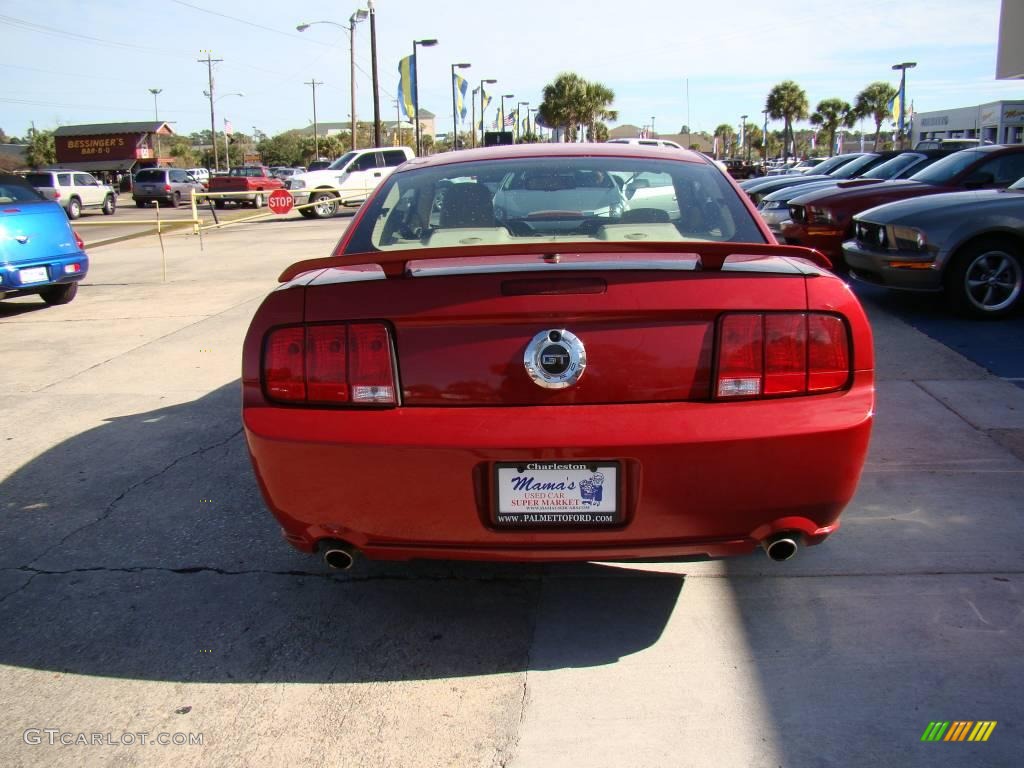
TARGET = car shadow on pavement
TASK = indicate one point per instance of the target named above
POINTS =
(14, 308)
(140, 548)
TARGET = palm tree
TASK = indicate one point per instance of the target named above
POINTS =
(830, 114)
(562, 103)
(597, 101)
(724, 134)
(873, 102)
(788, 102)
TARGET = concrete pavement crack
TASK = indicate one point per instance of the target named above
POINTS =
(110, 507)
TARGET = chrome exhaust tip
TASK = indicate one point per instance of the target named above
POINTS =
(780, 547)
(339, 556)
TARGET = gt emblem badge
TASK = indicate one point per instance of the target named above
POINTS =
(555, 359)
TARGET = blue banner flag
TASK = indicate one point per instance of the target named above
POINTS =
(407, 86)
(461, 87)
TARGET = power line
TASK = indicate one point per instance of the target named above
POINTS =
(244, 21)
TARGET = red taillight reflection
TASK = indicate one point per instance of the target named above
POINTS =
(781, 353)
(340, 363)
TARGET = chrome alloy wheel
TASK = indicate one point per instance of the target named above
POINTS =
(993, 281)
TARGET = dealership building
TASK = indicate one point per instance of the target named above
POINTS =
(1001, 122)
(112, 147)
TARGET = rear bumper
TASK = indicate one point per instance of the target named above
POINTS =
(697, 479)
(10, 274)
(827, 239)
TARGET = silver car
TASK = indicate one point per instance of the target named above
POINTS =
(169, 186)
(968, 244)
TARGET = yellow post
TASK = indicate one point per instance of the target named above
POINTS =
(195, 213)
(159, 234)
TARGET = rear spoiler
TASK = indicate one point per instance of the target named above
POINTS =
(709, 256)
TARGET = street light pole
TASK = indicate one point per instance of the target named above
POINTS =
(316, 134)
(156, 118)
(764, 142)
(455, 115)
(652, 127)
(373, 71)
(743, 135)
(227, 155)
(472, 132)
(903, 92)
(416, 89)
(358, 16)
(491, 82)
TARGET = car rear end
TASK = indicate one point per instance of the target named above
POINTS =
(517, 402)
(152, 185)
(39, 252)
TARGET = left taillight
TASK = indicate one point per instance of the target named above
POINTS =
(771, 354)
(336, 364)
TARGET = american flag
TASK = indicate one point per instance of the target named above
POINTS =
(510, 119)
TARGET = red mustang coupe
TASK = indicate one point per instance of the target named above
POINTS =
(558, 352)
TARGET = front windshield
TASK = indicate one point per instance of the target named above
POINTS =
(890, 169)
(553, 199)
(854, 167)
(945, 169)
(341, 162)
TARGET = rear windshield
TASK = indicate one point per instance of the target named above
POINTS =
(560, 199)
(39, 179)
(247, 172)
(855, 166)
(150, 176)
(13, 192)
(837, 161)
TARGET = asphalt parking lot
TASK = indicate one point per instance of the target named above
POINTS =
(145, 589)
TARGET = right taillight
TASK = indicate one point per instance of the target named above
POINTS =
(337, 364)
(762, 354)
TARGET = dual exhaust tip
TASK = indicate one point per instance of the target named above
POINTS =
(780, 547)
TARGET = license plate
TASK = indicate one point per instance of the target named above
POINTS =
(33, 275)
(557, 493)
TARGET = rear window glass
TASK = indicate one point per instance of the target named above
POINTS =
(13, 192)
(945, 169)
(553, 200)
(40, 179)
(150, 176)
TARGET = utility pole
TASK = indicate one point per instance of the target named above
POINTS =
(316, 136)
(373, 73)
(210, 61)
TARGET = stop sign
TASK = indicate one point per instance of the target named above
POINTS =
(280, 201)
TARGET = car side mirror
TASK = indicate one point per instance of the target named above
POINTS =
(979, 179)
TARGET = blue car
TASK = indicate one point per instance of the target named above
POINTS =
(39, 252)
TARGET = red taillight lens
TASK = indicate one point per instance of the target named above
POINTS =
(284, 373)
(167, 187)
(829, 354)
(370, 372)
(78, 240)
(327, 369)
(340, 363)
(740, 366)
(783, 353)
(785, 358)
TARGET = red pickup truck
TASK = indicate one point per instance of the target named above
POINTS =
(254, 180)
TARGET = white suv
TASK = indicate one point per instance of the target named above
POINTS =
(347, 181)
(74, 190)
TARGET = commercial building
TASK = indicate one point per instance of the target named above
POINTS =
(1001, 122)
(112, 147)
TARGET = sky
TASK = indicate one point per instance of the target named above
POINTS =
(92, 61)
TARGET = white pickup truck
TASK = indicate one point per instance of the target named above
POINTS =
(347, 181)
